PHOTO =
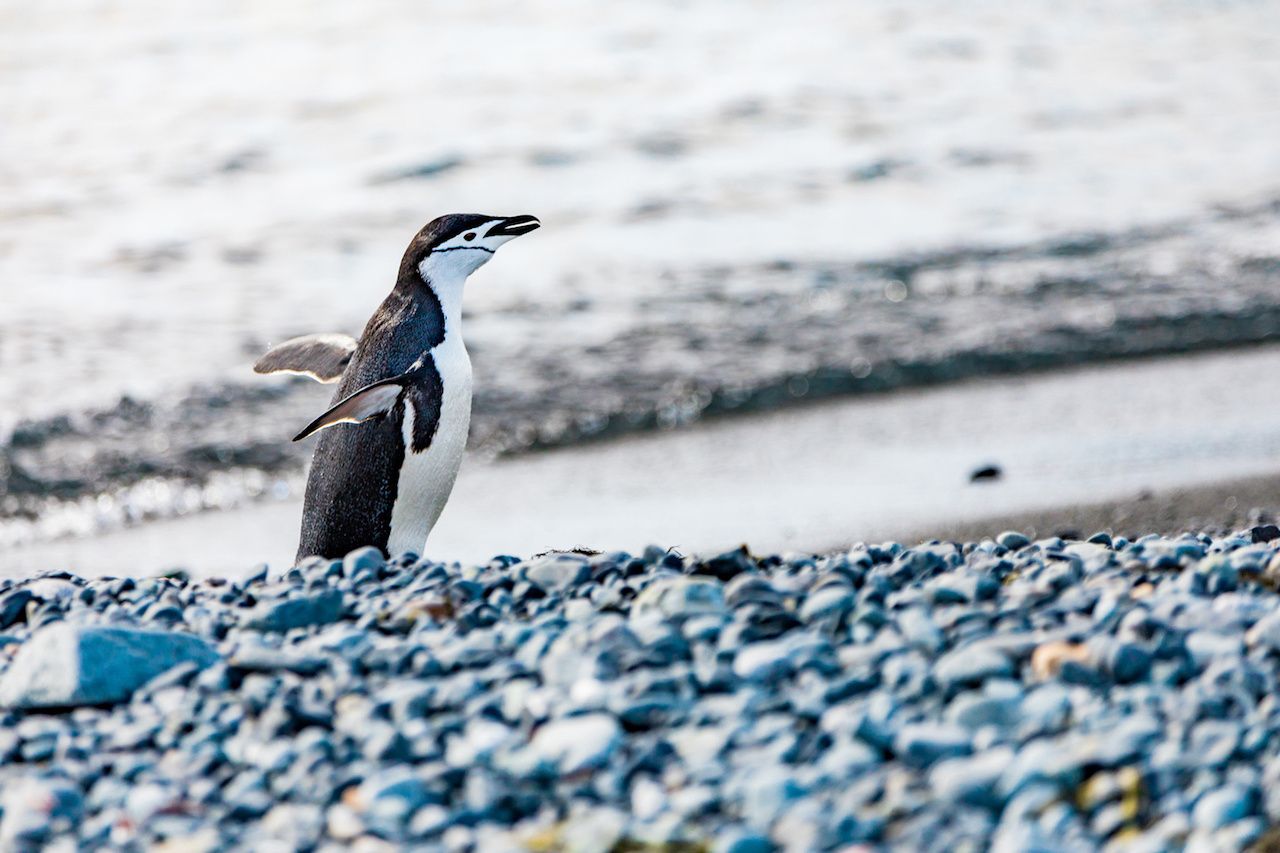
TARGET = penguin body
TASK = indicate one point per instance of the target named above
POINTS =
(391, 445)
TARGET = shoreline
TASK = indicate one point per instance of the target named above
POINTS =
(1075, 450)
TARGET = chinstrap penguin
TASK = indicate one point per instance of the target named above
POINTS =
(405, 388)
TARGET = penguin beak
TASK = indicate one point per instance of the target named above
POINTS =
(514, 226)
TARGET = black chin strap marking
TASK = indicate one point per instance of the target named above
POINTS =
(462, 249)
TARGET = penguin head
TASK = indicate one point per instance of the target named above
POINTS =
(452, 247)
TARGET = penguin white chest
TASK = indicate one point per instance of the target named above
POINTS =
(427, 476)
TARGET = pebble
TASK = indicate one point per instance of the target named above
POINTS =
(968, 666)
(1012, 540)
(1221, 806)
(300, 612)
(680, 598)
(65, 665)
(558, 572)
(1048, 659)
(573, 744)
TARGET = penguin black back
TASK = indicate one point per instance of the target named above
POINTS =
(349, 505)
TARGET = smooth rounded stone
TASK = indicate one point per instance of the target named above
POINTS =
(429, 821)
(681, 597)
(907, 675)
(726, 566)
(1128, 662)
(700, 747)
(13, 608)
(593, 828)
(297, 824)
(921, 744)
(36, 809)
(1049, 659)
(1102, 538)
(1041, 763)
(1012, 540)
(258, 658)
(394, 794)
(1265, 633)
(764, 661)
(972, 780)
(751, 589)
(362, 560)
(1205, 647)
(830, 602)
(299, 612)
(974, 710)
(971, 665)
(569, 745)
(738, 839)
(66, 665)
(478, 742)
(764, 792)
(1212, 743)
(919, 630)
(1222, 806)
(846, 758)
(558, 572)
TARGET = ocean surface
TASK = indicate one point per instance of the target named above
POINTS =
(746, 206)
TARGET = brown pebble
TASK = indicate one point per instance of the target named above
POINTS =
(1048, 658)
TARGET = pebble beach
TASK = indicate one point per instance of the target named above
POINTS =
(1001, 694)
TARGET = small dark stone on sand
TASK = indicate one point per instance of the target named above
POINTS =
(986, 473)
(1265, 533)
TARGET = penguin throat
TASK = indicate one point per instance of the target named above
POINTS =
(448, 290)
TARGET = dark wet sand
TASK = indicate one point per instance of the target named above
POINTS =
(1214, 507)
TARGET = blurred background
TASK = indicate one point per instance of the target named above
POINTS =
(748, 207)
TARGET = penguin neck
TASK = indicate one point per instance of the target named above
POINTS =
(448, 292)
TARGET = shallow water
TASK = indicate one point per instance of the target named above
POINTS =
(811, 478)
(745, 206)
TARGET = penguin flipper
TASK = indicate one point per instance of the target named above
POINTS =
(322, 357)
(371, 401)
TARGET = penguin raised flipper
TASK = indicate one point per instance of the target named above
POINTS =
(321, 357)
(371, 401)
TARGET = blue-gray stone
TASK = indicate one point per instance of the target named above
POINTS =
(300, 612)
(1207, 646)
(362, 560)
(1222, 806)
(833, 601)
(67, 665)
(255, 658)
(13, 607)
(1213, 742)
(573, 744)
(680, 598)
(741, 840)
(971, 665)
(919, 630)
(972, 779)
(37, 809)
(558, 572)
(922, 744)
(1013, 540)
(974, 710)
(1128, 662)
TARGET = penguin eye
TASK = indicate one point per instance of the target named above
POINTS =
(469, 236)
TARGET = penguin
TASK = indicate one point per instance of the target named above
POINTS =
(391, 443)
